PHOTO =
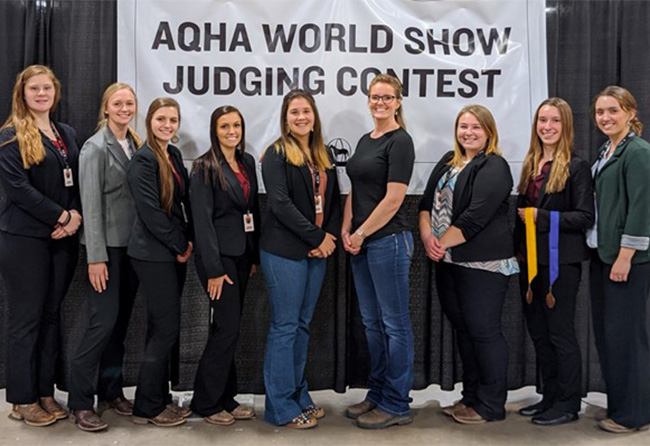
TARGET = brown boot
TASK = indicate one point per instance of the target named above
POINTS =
(223, 418)
(32, 414)
(121, 406)
(88, 420)
(51, 406)
(359, 409)
(378, 419)
(182, 411)
(449, 410)
(166, 418)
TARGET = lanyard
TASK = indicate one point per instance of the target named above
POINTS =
(60, 145)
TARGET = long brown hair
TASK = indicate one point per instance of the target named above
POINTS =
(385, 78)
(164, 165)
(210, 162)
(489, 126)
(289, 146)
(28, 136)
(559, 173)
(110, 91)
(627, 102)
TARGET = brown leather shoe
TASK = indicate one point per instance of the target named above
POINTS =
(468, 416)
(314, 411)
(51, 406)
(378, 419)
(242, 412)
(121, 406)
(302, 421)
(223, 418)
(358, 409)
(600, 414)
(87, 420)
(166, 418)
(184, 412)
(612, 426)
(32, 414)
(449, 410)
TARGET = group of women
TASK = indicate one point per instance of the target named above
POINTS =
(144, 216)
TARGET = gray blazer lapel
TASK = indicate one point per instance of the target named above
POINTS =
(115, 149)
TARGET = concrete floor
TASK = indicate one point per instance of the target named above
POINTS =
(430, 427)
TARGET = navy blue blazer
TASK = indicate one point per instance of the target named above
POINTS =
(37, 196)
(218, 217)
(156, 235)
(288, 228)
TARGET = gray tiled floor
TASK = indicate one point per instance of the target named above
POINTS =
(430, 427)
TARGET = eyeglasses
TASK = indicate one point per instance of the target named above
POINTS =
(387, 99)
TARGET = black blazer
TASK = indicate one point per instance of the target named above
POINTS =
(480, 208)
(157, 236)
(37, 196)
(576, 205)
(288, 226)
(218, 217)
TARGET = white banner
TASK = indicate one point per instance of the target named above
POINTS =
(250, 53)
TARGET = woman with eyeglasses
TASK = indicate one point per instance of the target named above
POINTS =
(376, 232)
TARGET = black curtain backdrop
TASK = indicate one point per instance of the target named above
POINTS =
(591, 44)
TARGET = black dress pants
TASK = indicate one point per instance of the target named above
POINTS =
(215, 385)
(102, 346)
(37, 274)
(162, 284)
(472, 300)
(553, 334)
(620, 314)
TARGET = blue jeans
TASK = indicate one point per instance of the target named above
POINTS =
(381, 278)
(293, 288)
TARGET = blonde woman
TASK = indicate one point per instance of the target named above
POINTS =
(464, 228)
(109, 212)
(38, 241)
(557, 186)
(303, 214)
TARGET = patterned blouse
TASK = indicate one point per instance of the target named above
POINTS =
(441, 212)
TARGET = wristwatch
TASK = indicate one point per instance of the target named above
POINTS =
(360, 233)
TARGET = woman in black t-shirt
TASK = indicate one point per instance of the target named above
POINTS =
(376, 232)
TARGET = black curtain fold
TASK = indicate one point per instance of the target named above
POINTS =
(590, 44)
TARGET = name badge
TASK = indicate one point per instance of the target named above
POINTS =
(68, 181)
(249, 223)
(318, 200)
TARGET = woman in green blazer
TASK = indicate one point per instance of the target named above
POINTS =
(620, 265)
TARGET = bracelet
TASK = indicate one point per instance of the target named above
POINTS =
(67, 220)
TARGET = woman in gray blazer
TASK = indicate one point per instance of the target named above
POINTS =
(108, 212)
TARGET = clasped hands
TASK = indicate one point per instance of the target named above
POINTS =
(433, 247)
(67, 224)
(326, 247)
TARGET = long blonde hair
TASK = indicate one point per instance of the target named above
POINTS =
(110, 91)
(289, 146)
(397, 87)
(627, 102)
(164, 166)
(559, 173)
(489, 126)
(28, 136)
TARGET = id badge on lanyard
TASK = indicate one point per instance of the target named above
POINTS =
(249, 222)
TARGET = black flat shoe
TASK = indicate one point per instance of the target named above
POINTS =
(554, 417)
(534, 409)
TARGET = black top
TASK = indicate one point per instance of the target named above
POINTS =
(218, 216)
(289, 224)
(158, 236)
(375, 163)
(480, 208)
(576, 205)
(37, 196)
